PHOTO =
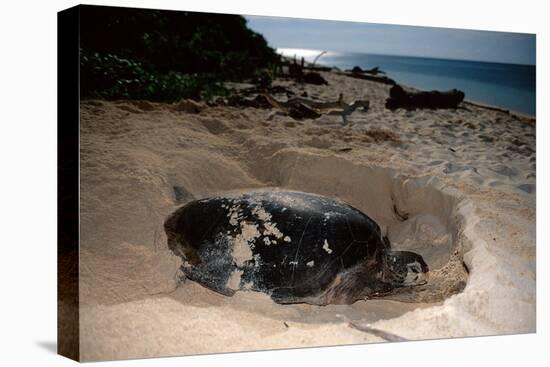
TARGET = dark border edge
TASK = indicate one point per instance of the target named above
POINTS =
(68, 62)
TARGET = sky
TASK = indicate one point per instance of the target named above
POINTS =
(515, 48)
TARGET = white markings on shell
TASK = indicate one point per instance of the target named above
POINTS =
(261, 213)
(326, 247)
(244, 242)
(270, 228)
(234, 215)
(257, 259)
(234, 280)
(311, 263)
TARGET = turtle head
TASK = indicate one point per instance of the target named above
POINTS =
(405, 268)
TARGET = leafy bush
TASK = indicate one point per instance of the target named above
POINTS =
(113, 77)
(166, 55)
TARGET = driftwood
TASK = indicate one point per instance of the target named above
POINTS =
(413, 100)
(372, 78)
(300, 108)
(302, 111)
(237, 100)
(319, 68)
(374, 71)
(314, 78)
(296, 107)
(488, 107)
(282, 105)
(317, 58)
(296, 71)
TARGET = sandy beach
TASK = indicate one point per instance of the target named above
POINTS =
(457, 186)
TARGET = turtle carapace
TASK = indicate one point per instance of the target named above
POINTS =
(296, 247)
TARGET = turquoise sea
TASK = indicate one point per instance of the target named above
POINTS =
(509, 86)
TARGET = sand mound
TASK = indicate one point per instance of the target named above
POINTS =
(457, 187)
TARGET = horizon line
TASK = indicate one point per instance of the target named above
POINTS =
(401, 55)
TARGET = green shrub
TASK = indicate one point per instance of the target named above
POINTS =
(113, 77)
(166, 55)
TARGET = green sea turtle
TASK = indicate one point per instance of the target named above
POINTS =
(296, 247)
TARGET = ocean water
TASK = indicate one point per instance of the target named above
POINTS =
(509, 86)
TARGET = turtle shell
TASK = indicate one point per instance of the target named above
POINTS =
(287, 244)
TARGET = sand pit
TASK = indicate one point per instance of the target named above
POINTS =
(416, 213)
(468, 210)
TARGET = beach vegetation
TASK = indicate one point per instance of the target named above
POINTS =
(165, 55)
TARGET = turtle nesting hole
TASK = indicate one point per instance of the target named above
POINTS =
(418, 213)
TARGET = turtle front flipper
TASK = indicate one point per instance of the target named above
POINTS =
(286, 295)
(357, 283)
(379, 289)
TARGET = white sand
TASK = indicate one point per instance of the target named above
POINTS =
(465, 180)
